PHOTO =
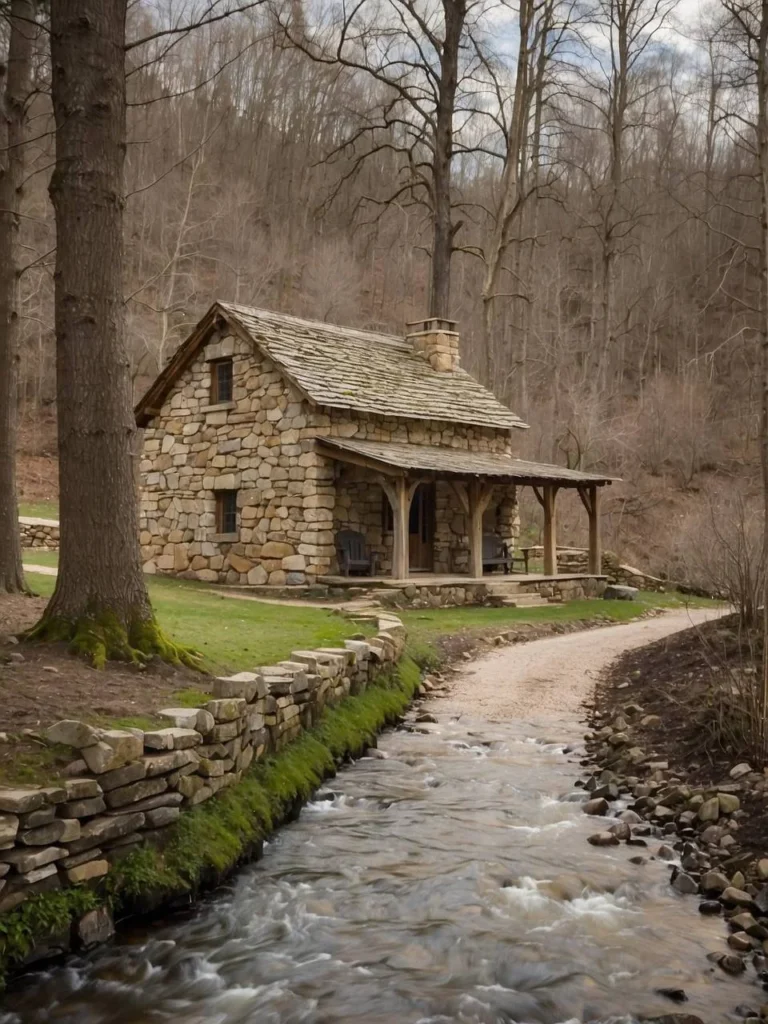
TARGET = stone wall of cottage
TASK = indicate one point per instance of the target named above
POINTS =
(361, 506)
(291, 499)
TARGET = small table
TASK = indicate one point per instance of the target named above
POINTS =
(525, 552)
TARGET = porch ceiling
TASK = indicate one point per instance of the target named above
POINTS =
(399, 459)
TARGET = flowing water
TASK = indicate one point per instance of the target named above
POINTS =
(450, 881)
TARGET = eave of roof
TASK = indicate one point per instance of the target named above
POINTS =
(457, 462)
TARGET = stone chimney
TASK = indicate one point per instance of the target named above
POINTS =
(437, 341)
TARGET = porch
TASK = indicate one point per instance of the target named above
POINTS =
(434, 511)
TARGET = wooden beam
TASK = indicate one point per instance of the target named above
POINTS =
(399, 493)
(459, 488)
(595, 543)
(550, 530)
(479, 494)
(354, 459)
(539, 496)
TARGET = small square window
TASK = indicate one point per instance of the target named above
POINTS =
(221, 381)
(226, 512)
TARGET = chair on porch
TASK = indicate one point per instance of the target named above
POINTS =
(355, 557)
(496, 553)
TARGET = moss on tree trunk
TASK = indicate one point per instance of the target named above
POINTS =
(105, 636)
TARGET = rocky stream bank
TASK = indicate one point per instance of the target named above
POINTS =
(700, 819)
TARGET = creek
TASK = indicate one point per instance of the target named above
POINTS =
(446, 881)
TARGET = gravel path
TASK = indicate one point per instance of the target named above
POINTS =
(552, 678)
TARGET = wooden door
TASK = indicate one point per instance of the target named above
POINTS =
(421, 529)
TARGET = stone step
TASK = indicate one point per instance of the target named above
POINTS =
(525, 601)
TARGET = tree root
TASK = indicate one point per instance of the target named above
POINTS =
(103, 637)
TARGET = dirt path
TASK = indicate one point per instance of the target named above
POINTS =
(552, 678)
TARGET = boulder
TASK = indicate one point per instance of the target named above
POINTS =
(598, 807)
(72, 733)
(685, 884)
(95, 927)
(603, 839)
(618, 592)
(736, 896)
(714, 881)
(729, 803)
(710, 809)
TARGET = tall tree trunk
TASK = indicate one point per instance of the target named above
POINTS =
(511, 185)
(13, 99)
(762, 144)
(442, 224)
(100, 602)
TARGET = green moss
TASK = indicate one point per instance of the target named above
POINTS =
(41, 916)
(144, 722)
(215, 835)
(190, 698)
(38, 766)
(102, 636)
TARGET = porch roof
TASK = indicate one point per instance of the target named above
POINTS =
(397, 458)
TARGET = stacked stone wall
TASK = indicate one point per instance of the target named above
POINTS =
(576, 560)
(39, 533)
(454, 594)
(124, 788)
(291, 498)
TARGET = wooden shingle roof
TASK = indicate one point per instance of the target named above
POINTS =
(459, 462)
(344, 368)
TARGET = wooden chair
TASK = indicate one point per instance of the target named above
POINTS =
(495, 553)
(355, 557)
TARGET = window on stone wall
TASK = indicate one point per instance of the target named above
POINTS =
(226, 512)
(221, 381)
(387, 517)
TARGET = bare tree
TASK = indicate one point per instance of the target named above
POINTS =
(413, 52)
(100, 603)
(15, 88)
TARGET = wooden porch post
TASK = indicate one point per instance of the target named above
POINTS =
(479, 495)
(399, 492)
(550, 530)
(590, 497)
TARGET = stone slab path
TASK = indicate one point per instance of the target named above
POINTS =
(552, 678)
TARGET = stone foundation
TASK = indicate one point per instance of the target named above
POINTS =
(453, 594)
(124, 788)
(39, 533)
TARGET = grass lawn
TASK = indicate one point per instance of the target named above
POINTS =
(39, 509)
(33, 556)
(425, 627)
(233, 635)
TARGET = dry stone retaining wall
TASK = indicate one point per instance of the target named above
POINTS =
(39, 533)
(126, 786)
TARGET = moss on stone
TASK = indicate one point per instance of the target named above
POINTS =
(215, 835)
(40, 917)
(208, 841)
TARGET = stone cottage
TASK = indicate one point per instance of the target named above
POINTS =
(266, 436)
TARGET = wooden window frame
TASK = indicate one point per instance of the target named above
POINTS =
(216, 396)
(227, 519)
